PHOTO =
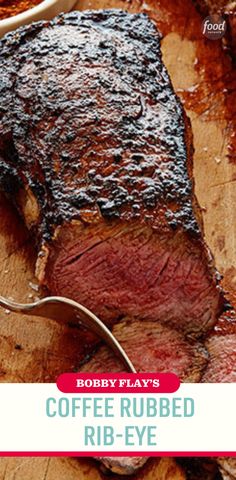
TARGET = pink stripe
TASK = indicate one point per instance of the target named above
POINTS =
(118, 454)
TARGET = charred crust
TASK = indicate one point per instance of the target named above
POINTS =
(9, 180)
(133, 165)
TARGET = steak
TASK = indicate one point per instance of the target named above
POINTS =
(151, 347)
(166, 350)
(156, 348)
(122, 465)
(222, 364)
(96, 151)
(221, 345)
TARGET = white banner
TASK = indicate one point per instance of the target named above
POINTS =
(40, 418)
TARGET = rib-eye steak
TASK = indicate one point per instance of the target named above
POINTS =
(96, 150)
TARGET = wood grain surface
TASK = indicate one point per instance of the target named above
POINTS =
(37, 350)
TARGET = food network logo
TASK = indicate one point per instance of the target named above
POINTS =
(214, 27)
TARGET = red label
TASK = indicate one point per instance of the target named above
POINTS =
(118, 383)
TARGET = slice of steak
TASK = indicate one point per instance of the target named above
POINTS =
(164, 468)
(221, 346)
(152, 348)
(222, 364)
(122, 465)
(96, 150)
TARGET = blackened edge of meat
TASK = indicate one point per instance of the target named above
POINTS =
(177, 188)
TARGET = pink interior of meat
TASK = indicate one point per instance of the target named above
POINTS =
(119, 270)
(152, 347)
(222, 364)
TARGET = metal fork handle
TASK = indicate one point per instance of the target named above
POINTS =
(63, 309)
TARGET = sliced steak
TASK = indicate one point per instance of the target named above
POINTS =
(152, 348)
(156, 348)
(159, 469)
(222, 364)
(221, 346)
(97, 152)
(122, 465)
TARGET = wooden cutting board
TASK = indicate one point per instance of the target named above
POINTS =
(36, 350)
